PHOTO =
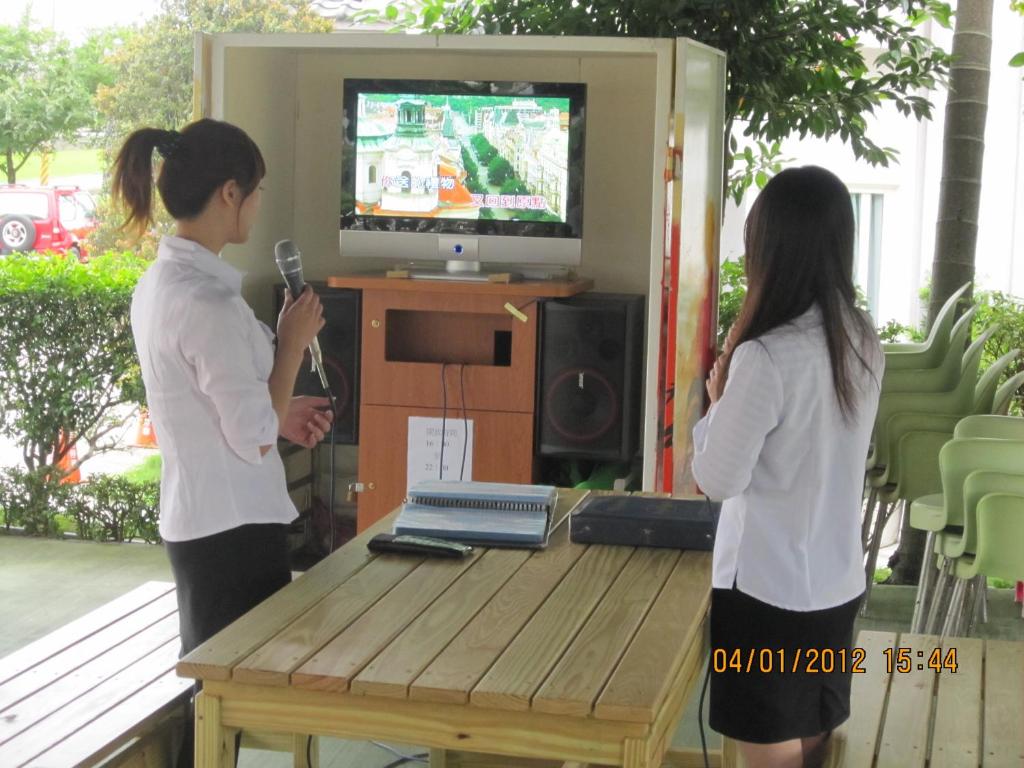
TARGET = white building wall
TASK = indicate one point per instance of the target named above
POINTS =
(910, 188)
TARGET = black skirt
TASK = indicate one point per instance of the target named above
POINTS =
(220, 577)
(777, 674)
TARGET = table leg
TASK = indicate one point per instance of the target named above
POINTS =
(438, 758)
(215, 745)
(305, 751)
(635, 754)
(730, 753)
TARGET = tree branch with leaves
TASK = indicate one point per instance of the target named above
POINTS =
(795, 67)
(42, 98)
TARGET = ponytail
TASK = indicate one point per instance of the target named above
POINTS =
(133, 176)
(197, 162)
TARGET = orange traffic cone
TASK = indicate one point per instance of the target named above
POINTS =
(68, 460)
(145, 435)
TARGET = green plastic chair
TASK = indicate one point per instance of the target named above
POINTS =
(991, 426)
(888, 484)
(958, 401)
(920, 449)
(929, 353)
(1000, 524)
(939, 378)
(951, 532)
(1004, 395)
(1000, 527)
(900, 424)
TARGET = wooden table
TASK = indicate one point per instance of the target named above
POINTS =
(574, 653)
(902, 719)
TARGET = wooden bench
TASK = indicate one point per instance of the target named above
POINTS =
(103, 689)
(101, 685)
(913, 716)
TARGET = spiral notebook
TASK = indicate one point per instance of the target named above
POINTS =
(487, 514)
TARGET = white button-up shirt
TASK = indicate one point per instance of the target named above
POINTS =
(775, 447)
(206, 361)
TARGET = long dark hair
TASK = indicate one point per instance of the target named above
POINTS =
(799, 252)
(197, 162)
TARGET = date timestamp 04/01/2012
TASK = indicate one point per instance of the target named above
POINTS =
(900, 660)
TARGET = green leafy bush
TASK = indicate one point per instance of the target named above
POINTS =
(67, 359)
(894, 331)
(32, 499)
(116, 508)
(146, 471)
(995, 307)
(732, 288)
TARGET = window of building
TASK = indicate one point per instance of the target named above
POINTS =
(867, 245)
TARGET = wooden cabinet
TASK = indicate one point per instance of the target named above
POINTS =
(502, 451)
(436, 349)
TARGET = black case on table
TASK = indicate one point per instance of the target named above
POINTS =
(643, 521)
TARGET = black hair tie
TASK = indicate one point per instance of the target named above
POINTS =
(169, 144)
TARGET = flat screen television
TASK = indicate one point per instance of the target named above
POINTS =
(463, 171)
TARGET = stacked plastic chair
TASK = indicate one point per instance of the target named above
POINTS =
(915, 440)
(917, 413)
(976, 525)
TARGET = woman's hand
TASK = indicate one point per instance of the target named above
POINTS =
(307, 422)
(714, 382)
(300, 321)
(716, 379)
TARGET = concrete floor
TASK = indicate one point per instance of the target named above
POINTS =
(45, 583)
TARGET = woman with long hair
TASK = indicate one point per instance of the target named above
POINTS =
(793, 402)
(218, 392)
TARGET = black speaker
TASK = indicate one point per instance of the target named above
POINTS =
(339, 343)
(589, 376)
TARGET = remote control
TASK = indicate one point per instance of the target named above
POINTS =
(417, 545)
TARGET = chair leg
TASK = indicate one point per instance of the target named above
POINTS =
(980, 588)
(938, 597)
(869, 567)
(865, 526)
(956, 604)
(962, 620)
(925, 584)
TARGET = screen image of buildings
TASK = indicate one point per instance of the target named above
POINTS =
(462, 156)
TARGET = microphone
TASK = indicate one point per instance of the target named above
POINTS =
(289, 261)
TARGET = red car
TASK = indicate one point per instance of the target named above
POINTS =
(56, 219)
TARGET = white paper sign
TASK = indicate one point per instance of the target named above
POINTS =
(423, 461)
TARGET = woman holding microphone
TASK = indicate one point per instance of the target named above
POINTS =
(218, 392)
(793, 401)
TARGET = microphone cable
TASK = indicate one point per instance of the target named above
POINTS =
(465, 421)
(333, 471)
(707, 673)
(700, 714)
(444, 420)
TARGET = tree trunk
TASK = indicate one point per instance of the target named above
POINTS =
(11, 174)
(956, 231)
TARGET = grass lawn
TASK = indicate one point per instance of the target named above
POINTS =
(68, 162)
